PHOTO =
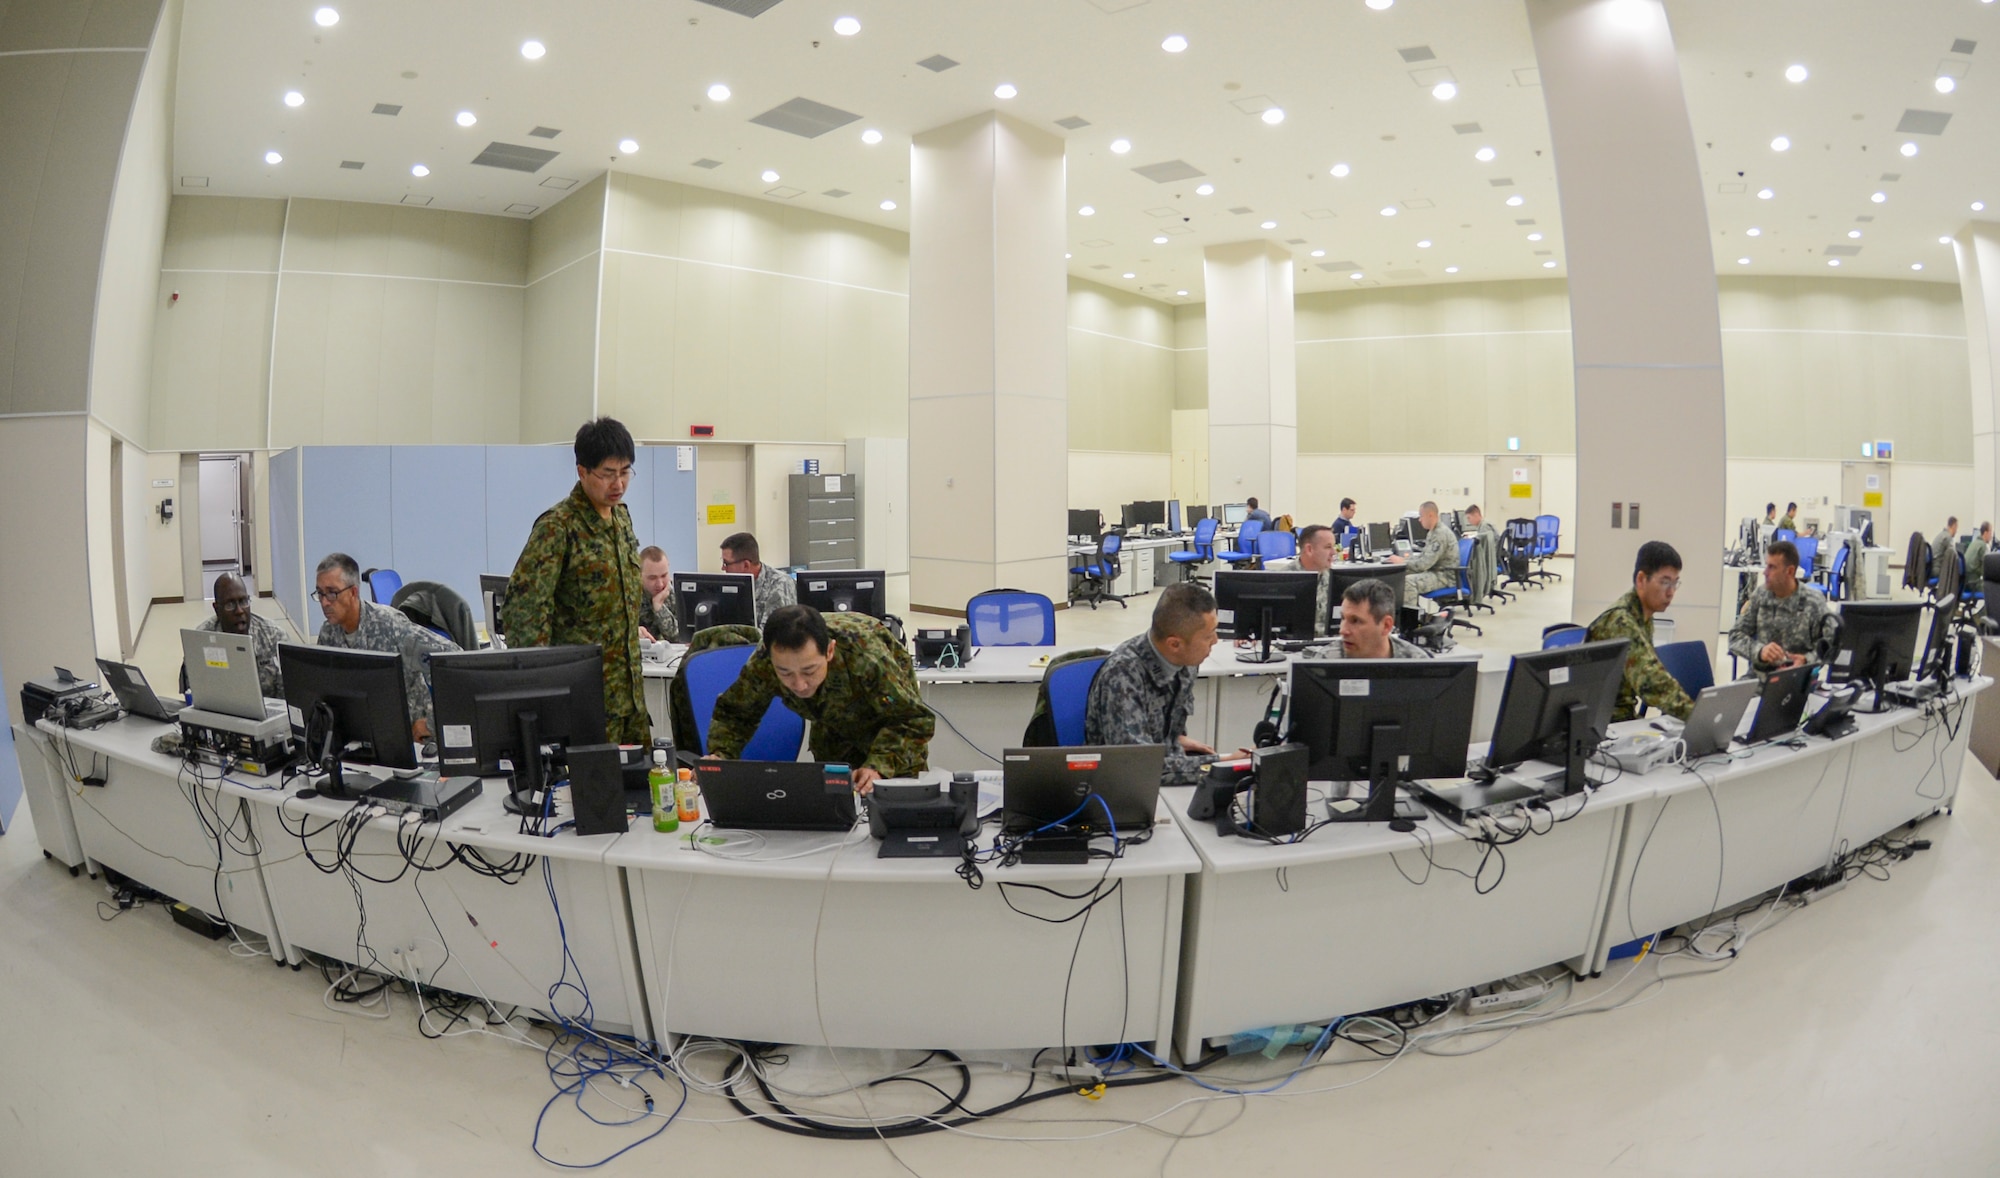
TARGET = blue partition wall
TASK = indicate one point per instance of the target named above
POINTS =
(10, 768)
(446, 513)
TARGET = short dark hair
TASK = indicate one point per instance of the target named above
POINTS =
(1180, 609)
(652, 552)
(1346, 503)
(1252, 501)
(1307, 533)
(1655, 555)
(1790, 508)
(1949, 521)
(1769, 508)
(605, 437)
(1473, 508)
(790, 627)
(1374, 593)
(1786, 549)
(345, 563)
(744, 545)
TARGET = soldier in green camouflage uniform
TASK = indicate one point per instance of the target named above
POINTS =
(577, 580)
(1435, 566)
(848, 675)
(1654, 580)
(1780, 625)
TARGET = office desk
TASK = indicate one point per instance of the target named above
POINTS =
(43, 782)
(142, 823)
(1143, 563)
(814, 940)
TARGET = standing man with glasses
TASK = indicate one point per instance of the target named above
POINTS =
(773, 590)
(354, 624)
(1655, 576)
(578, 581)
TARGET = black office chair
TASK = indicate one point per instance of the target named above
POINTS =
(1098, 571)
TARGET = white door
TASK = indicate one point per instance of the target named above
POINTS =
(722, 504)
(1866, 484)
(1513, 488)
(222, 511)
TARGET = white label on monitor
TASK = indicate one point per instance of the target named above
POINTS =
(920, 838)
(729, 588)
(506, 766)
(1558, 676)
(1843, 658)
(833, 482)
(1083, 759)
(458, 736)
(216, 656)
(1016, 756)
(816, 586)
(298, 716)
(864, 584)
(1226, 616)
(1354, 687)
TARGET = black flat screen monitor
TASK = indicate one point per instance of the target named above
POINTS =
(1416, 529)
(1878, 640)
(348, 705)
(1265, 605)
(1937, 661)
(715, 599)
(1173, 515)
(1149, 513)
(849, 591)
(498, 710)
(1196, 513)
(1341, 576)
(1383, 721)
(1381, 537)
(1085, 523)
(1556, 706)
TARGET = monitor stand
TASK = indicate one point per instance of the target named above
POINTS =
(341, 785)
(1576, 734)
(1263, 653)
(1385, 748)
(527, 786)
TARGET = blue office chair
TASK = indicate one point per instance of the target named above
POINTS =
(1246, 544)
(1783, 534)
(1461, 593)
(1069, 693)
(1689, 664)
(1548, 537)
(1276, 546)
(1011, 617)
(1836, 575)
(382, 585)
(1098, 571)
(1201, 553)
(1564, 634)
(710, 673)
(1808, 547)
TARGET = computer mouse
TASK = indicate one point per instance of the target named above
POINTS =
(430, 750)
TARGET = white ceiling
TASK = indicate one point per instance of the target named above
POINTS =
(640, 69)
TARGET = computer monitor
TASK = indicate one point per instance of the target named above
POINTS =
(1149, 513)
(1173, 515)
(1556, 706)
(1196, 513)
(1855, 519)
(493, 600)
(1341, 577)
(1381, 537)
(1264, 605)
(1086, 524)
(1878, 639)
(850, 591)
(513, 711)
(1235, 513)
(348, 705)
(1415, 528)
(715, 599)
(1383, 721)
(1128, 516)
(1746, 534)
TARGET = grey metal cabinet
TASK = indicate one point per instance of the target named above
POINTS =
(826, 521)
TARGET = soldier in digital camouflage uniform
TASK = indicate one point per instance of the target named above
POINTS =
(1145, 690)
(846, 674)
(1655, 577)
(772, 590)
(1435, 566)
(1780, 625)
(577, 580)
(234, 616)
(1368, 626)
(354, 624)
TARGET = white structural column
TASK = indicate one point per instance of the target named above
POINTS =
(989, 362)
(1646, 327)
(1253, 376)
(1978, 249)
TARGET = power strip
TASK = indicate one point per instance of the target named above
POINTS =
(1505, 999)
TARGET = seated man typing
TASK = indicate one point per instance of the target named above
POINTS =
(1656, 575)
(1780, 624)
(1145, 690)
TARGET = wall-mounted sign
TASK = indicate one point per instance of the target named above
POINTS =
(721, 514)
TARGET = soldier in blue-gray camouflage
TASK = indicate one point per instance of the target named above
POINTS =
(1781, 624)
(354, 624)
(1435, 565)
(1656, 575)
(577, 581)
(772, 590)
(1145, 689)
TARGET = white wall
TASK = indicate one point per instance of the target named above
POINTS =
(162, 564)
(1105, 479)
(1921, 494)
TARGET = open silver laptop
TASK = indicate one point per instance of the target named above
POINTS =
(1718, 710)
(222, 673)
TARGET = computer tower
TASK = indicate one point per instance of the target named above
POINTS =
(597, 789)
(1277, 803)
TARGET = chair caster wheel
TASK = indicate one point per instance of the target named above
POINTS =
(74, 870)
(46, 855)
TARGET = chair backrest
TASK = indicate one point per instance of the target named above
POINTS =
(382, 585)
(1836, 573)
(1548, 532)
(1689, 664)
(1069, 693)
(1565, 634)
(1808, 547)
(709, 673)
(1276, 545)
(1521, 531)
(1246, 534)
(1204, 537)
(1011, 617)
(438, 608)
(1783, 534)
(1109, 543)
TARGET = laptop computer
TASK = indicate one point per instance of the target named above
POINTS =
(1781, 702)
(222, 673)
(135, 695)
(1044, 786)
(1718, 710)
(777, 795)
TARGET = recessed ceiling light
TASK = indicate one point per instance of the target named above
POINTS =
(1765, 194)
(1319, 253)
(1753, 231)
(1796, 73)
(419, 171)
(1159, 241)
(1379, 5)
(1743, 261)
(1879, 197)
(1854, 232)
(1444, 91)
(1424, 244)
(1086, 211)
(466, 118)
(1515, 201)
(871, 136)
(1205, 190)
(628, 146)
(1388, 210)
(1272, 116)
(1548, 265)
(1120, 146)
(1781, 144)
(1916, 265)
(533, 50)
(889, 206)
(847, 26)
(1356, 276)
(1339, 171)
(1944, 241)
(294, 98)
(1181, 293)
(272, 157)
(1833, 261)
(1978, 206)
(1945, 84)
(1174, 44)
(1534, 237)
(718, 93)
(1270, 224)
(1130, 274)
(326, 18)
(1451, 269)
(1005, 90)
(1908, 149)
(770, 177)
(1484, 155)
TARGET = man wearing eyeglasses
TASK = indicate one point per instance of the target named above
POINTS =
(578, 581)
(772, 589)
(354, 624)
(1655, 576)
(234, 616)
